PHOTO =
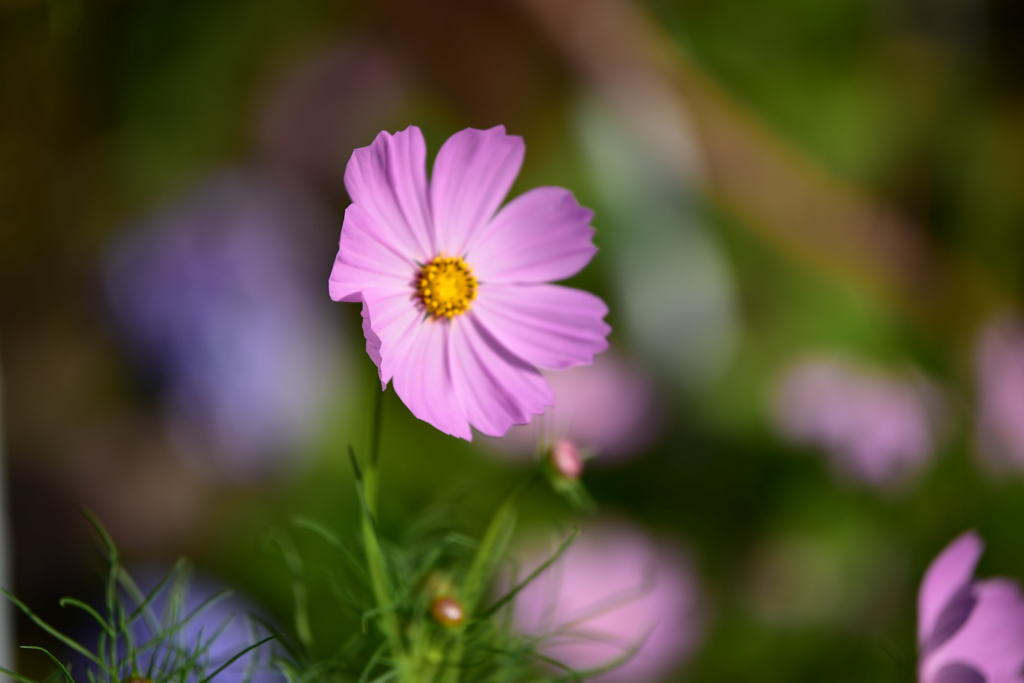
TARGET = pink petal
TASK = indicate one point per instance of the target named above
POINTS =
(372, 343)
(389, 318)
(548, 326)
(948, 574)
(992, 639)
(496, 389)
(388, 179)
(539, 236)
(472, 175)
(424, 379)
(366, 259)
(413, 353)
(957, 672)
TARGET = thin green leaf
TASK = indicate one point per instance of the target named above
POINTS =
(70, 642)
(88, 609)
(293, 561)
(485, 562)
(17, 676)
(375, 432)
(380, 581)
(613, 663)
(113, 562)
(144, 601)
(59, 664)
(488, 555)
(178, 625)
(510, 595)
(371, 663)
(332, 538)
(278, 635)
(234, 659)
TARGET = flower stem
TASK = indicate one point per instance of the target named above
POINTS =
(372, 466)
(367, 478)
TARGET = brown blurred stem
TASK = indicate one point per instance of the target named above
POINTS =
(779, 193)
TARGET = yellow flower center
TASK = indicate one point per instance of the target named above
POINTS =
(446, 286)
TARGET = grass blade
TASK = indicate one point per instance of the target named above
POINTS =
(70, 642)
(59, 664)
(234, 659)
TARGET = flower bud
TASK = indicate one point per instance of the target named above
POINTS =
(447, 611)
(566, 459)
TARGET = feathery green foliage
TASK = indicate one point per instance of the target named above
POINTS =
(393, 587)
(128, 613)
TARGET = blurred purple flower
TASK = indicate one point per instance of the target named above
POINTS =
(609, 410)
(213, 294)
(999, 366)
(968, 631)
(877, 429)
(223, 629)
(322, 108)
(615, 591)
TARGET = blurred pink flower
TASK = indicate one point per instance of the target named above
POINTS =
(615, 591)
(212, 294)
(457, 309)
(968, 631)
(999, 366)
(875, 428)
(322, 107)
(609, 410)
(566, 459)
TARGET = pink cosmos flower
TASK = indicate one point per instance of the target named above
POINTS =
(615, 593)
(968, 631)
(457, 307)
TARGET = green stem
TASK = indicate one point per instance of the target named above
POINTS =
(382, 594)
(376, 563)
(374, 464)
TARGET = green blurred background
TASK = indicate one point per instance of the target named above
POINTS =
(771, 180)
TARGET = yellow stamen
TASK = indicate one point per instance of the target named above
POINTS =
(446, 286)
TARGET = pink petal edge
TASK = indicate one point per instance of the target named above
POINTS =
(948, 573)
(991, 640)
(494, 388)
(542, 235)
(548, 326)
(473, 173)
(388, 179)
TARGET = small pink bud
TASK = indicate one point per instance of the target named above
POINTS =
(447, 611)
(566, 459)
